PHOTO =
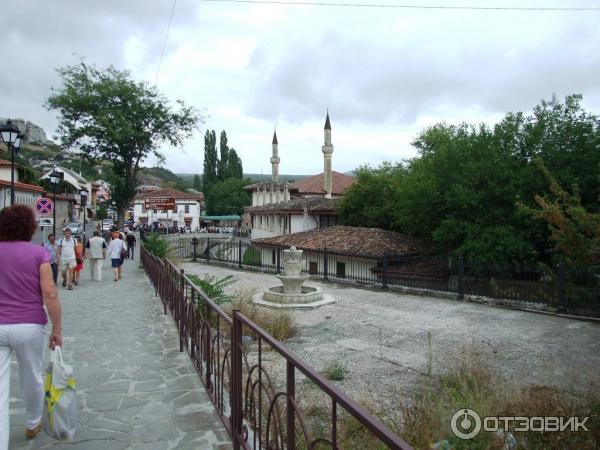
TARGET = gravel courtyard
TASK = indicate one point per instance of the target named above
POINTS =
(382, 337)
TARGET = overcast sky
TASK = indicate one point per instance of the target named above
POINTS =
(385, 74)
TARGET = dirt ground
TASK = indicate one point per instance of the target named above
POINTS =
(382, 338)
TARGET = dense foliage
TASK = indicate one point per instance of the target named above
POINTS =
(109, 116)
(470, 187)
(228, 197)
(222, 165)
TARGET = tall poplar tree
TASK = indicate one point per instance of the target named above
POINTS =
(223, 171)
(211, 159)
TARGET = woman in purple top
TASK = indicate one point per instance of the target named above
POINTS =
(26, 283)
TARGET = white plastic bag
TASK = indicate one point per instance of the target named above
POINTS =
(60, 399)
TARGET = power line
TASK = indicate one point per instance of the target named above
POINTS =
(399, 6)
(162, 52)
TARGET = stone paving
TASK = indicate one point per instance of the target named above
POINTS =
(136, 391)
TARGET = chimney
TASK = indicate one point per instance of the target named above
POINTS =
(327, 152)
(275, 160)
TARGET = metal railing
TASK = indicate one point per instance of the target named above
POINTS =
(558, 287)
(258, 409)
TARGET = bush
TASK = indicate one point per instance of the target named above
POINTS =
(157, 245)
(252, 257)
(214, 288)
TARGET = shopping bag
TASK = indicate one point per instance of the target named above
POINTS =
(60, 398)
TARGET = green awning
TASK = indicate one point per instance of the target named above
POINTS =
(214, 218)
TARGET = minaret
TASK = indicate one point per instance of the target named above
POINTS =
(275, 160)
(327, 152)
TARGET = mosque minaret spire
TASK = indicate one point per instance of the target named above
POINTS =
(327, 152)
(275, 159)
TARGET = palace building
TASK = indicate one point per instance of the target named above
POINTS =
(282, 208)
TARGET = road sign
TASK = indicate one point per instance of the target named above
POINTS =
(44, 207)
(167, 203)
(45, 222)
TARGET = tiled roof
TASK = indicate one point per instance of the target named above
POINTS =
(264, 184)
(314, 184)
(167, 192)
(313, 204)
(360, 241)
(24, 186)
(7, 163)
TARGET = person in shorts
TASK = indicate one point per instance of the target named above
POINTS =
(115, 248)
(68, 261)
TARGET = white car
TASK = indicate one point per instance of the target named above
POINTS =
(107, 224)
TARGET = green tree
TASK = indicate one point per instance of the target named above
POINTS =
(197, 183)
(109, 116)
(228, 197)
(223, 166)
(211, 159)
(574, 231)
(236, 169)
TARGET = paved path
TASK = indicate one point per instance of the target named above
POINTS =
(136, 391)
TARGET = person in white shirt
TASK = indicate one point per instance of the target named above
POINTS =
(66, 254)
(96, 252)
(115, 249)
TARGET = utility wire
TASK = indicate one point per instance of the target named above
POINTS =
(162, 52)
(407, 6)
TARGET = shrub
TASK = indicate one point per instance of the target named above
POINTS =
(335, 370)
(157, 245)
(214, 288)
(252, 257)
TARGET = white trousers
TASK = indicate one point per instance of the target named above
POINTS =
(96, 269)
(28, 341)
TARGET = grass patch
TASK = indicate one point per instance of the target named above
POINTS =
(335, 370)
(278, 324)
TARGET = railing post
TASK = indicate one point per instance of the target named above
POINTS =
(291, 412)
(207, 249)
(236, 380)
(325, 264)
(562, 287)
(194, 248)
(278, 259)
(181, 308)
(384, 281)
(240, 253)
(461, 277)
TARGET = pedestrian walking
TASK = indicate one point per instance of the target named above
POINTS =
(116, 251)
(68, 261)
(96, 253)
(79, 254)
(26, 284)
(52, 248)
(131, 241)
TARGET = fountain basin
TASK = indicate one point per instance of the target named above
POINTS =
(307, 294)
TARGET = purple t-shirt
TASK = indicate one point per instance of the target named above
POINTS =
(20, 290)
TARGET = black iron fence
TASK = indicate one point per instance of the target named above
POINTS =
(558, 287)
(238, 363)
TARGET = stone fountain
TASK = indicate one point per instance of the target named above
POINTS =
(291, 293)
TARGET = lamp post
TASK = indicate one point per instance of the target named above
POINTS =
(12, 138)
(84, 195)
(55, 178)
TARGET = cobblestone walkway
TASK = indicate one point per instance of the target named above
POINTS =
(136, 391)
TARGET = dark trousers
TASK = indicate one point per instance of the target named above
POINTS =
(54, 272)
(131, 251)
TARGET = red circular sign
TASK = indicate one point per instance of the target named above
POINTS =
(44, 207)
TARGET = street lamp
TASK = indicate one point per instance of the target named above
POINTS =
(55, 178)
(12, 138)
(84, 195)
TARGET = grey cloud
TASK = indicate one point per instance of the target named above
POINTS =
(398, 80)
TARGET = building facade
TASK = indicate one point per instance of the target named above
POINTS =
(187, 212)
(282, 208)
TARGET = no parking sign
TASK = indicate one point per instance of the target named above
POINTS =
(44, 207)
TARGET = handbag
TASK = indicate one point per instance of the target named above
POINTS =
(60, 399)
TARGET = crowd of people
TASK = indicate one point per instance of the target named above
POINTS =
(69, 254)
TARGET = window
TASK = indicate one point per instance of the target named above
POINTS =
(313, 268)
(187, 209)
(273, 257)
(327, 220)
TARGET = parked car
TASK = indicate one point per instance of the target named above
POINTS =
(107, 224)
(75, 227)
